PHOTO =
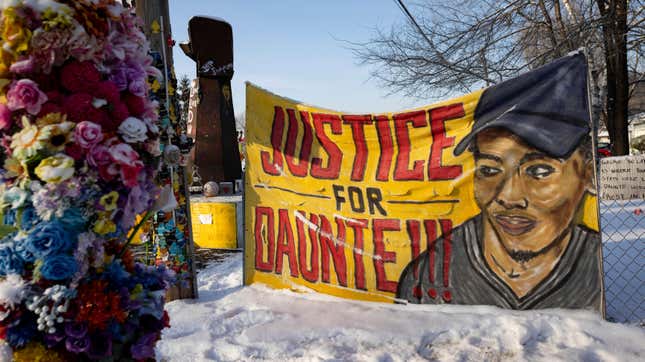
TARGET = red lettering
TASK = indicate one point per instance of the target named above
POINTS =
(260, 230)
(274, 167)
(382, 256)
(336, 250)
(384, 134)
(298, 169)
(358, 133)
(311, 274)
(401, 171)
(285, 244)
(332, 171)
(359, 267)
(439, 142)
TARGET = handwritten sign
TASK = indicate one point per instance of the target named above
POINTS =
(622, 178)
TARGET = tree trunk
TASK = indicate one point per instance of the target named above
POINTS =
(614, 34)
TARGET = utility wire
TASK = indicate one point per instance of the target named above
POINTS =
(405, 10)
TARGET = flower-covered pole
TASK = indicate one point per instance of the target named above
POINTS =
(170, 232)
(81, 151)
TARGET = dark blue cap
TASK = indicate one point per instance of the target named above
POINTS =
(546, 107)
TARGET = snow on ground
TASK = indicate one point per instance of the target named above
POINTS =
(230, 322)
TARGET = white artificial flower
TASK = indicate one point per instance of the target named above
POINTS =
(133, 130)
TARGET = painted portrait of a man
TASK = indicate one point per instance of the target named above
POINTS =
(534, 166)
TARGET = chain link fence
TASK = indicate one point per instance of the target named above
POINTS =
(623, 236)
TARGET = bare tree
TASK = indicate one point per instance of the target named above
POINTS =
(462, 45)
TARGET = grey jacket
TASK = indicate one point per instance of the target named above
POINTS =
(576, 281)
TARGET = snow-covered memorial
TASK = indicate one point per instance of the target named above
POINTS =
(488, 198)
(80, 150)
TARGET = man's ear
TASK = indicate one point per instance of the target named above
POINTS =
(590, 178)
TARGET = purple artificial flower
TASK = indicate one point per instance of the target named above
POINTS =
(144, 347)
(25, 93)
(78, 345)
(52, 339)
(75, 330)
(138, 87)
(119, 77)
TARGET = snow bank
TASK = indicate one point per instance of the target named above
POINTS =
(231, 322)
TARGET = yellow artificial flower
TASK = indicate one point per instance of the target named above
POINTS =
(108, 201)
(14, 32)
(56, 168)
(36, 352)
(26, 143)
(56, 136)
(14, 167)
(104, 225)
(56, 19)
(51, 118)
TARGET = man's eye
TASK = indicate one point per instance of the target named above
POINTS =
(486, 171)
(539, 171)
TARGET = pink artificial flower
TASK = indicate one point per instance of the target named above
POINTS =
(23, 66)
(24, 93)
(5, 117)
(99, 155)
(87, 134)
(124, 155)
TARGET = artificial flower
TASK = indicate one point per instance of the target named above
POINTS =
(14, 32)
(133, 130)
(47, 239)
(104, 225)
(88, 134)
(56, 168)
(25, 94)
(51, 118)
(26, 143)
(57, 267)
(5, 117)
(36, 352)
(79, 76)
(109, 200)
(56, 136)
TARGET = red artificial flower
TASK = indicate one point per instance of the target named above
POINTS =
(48, 108)
(79, 76)
(97, 305)
(136, 105)
(106, 90)
(78, 106)
(119, 111)
(129, 174)
(75, 151)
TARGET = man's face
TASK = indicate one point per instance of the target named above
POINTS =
(528, 197)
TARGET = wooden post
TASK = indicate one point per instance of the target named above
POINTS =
(156, 21)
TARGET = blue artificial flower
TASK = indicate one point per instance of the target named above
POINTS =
(73, 220)
(9, 217)
(48, 238)
(10, 261)
(116, 274)
(21, 249)
(29, 218)
(58, 267)
(20, 334)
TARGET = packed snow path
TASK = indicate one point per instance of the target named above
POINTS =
(230, 323)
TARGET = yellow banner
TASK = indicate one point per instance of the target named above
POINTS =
(342, 203)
